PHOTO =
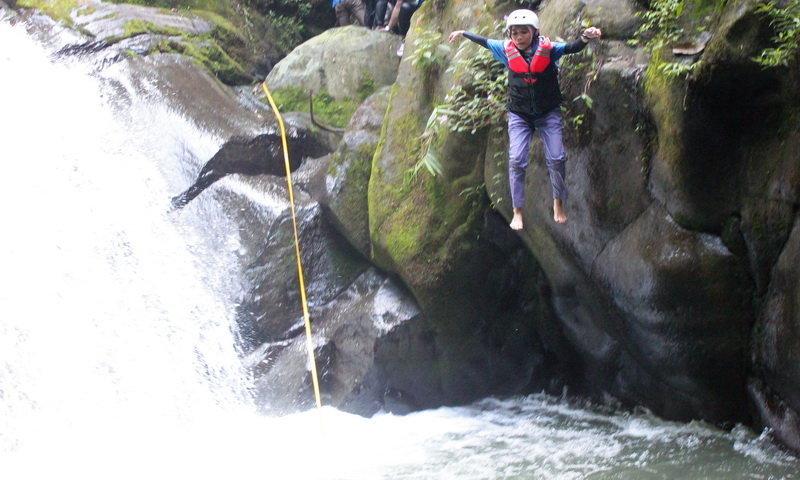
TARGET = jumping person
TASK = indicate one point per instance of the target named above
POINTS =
(534, 102)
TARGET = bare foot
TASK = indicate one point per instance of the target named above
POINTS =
(558, 211)
(516, 222)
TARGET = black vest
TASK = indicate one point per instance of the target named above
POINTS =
(534, 98)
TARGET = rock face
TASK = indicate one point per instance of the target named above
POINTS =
(777, 347)
(672, 286)
(5, 6)
(109, 20)
(340, 61)
(347, 180)
(682, 200)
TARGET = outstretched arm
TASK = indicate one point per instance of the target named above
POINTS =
(482, 41)
(394, 19)
(579, 44)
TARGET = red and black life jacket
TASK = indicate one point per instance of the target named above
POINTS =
(533, 87)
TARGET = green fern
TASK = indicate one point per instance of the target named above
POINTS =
(786, 23)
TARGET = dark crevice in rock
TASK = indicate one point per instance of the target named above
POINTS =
(259, 155)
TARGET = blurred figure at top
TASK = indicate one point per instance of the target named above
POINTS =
(350, 12)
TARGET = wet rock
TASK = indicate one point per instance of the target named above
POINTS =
(349, 333)
(113, 32)
(270, 307)
(6, 12)
(774, 413)
(684, 318)
(259, 155)
(776, 342)
(347, 178)
(106, 21)
(189, 88)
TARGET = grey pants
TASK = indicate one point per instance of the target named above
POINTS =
(520, 131)
(350, 12)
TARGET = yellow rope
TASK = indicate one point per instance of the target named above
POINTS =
(306, 317)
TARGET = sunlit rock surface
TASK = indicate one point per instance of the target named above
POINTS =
(340, 62)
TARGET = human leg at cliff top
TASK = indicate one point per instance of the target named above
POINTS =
(520, 130)
(381, 13)
(350, 12)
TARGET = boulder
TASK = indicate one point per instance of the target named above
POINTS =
(617, 19)
(343, 62)
(107, 21)
(776, 339)
(481, 297)
(347, 179)
(113, 32)
(350, 334)
(684, 318)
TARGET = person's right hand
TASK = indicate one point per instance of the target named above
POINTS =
(453, 36)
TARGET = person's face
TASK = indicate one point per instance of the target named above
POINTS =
(522, 36)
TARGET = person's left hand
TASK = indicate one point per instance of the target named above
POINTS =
(592, 32)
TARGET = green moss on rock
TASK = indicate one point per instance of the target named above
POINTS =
(58, 10)
(220, 7)
(295, 99)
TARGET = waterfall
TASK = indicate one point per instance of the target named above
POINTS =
(114, 332)
(118, 346)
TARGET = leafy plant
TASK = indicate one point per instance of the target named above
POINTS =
(429, 51)
(480, 101)
(477, 103)
(786, 23)
(661, 23)
(585, 98)
(289, 30)
(429, 159)
(474, 194)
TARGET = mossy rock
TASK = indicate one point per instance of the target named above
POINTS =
(431, 230)
(706, 121)
(562, 18)
(58, 10)
(205, 37)
(347, 180)
(342, 62)
(335, 113)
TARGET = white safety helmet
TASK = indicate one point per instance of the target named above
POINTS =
(522, 17)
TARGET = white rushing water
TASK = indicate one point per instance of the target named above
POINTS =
(118, 353)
